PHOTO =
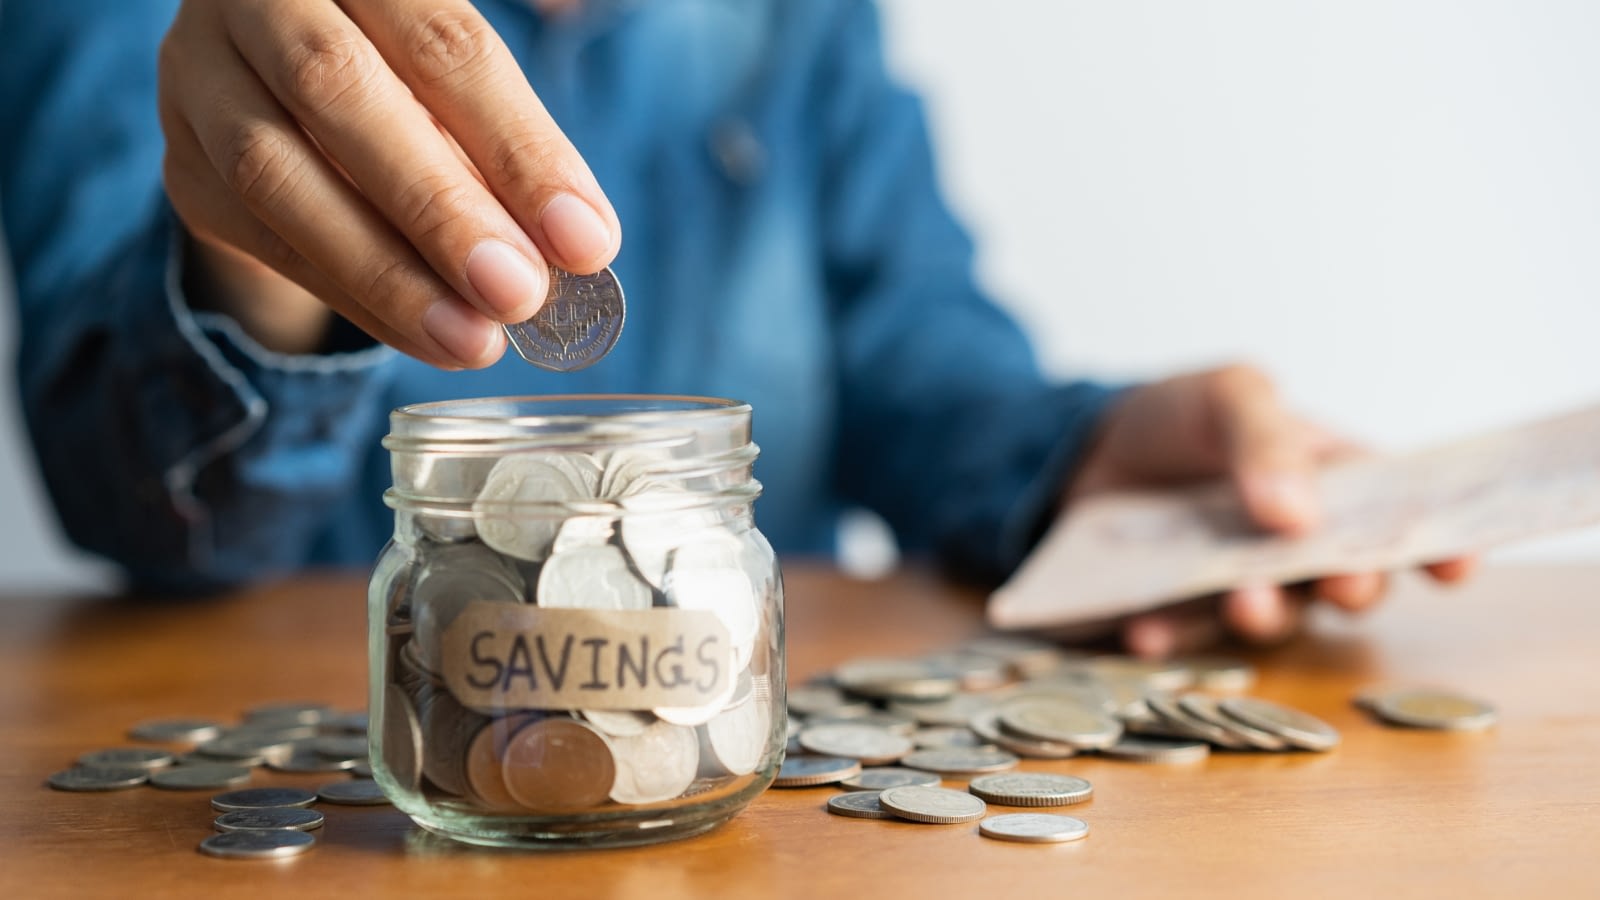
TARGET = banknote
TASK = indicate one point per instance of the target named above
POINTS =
(1120, 553)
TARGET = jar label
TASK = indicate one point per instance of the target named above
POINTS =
(500, 657)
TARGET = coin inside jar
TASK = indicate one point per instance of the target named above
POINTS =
(559, 765)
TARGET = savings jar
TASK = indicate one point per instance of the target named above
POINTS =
(576, 632)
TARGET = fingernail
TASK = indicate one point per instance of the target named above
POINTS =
(575, 231)
(508, 281)
(460, 331)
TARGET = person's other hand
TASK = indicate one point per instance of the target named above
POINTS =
(1228, 422)
(387, 156)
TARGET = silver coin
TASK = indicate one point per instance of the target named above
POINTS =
(98, 778)
(956, 710)
(200, 777)
(734, 742)
(871, 745)
(1204, 708)
(944, 736)
(257, 844)
(858, 805)
(1136, 749)
(295, 713)
(401, 737)
(579, 323)
(654, 766)
(932, 805)
(824, 700)
(454, 578)
(877, 779)
(127, 758)
(583, 531)
(1180, 722)
(1053, 719)
(657, 523)
(513, 512)
(987, 726)
(709, 575)
(340, 746)
(592, 578)
(1442, 710)
(976, 671)
(306, 761)
(1034, 828)
(961, 760)
(355, 792)
(1300, 729)
(1027, 657)
(244, 751)
(267, 732)
(262, 798)
(897, 679)
(890, 721)
(352, 723)
(810, 771)
(1031, 789)
(362, 769)
(187, 731)
(1221, 674)
(1153, 674)
(272, 819)
(618, 722)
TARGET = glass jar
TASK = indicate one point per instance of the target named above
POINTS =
(576, 633)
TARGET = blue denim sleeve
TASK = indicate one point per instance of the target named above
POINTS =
(169, 442)
(948, 428)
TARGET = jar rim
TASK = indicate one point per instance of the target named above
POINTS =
(628, 408)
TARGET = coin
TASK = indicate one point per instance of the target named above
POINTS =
(485, 761)
(986, 725)
(877, 779)
(654, 766)
(401, 739)
(190, 731)
(340, 746)
(810, 771)
(709, 575)
(975, 671)
(1154, 675)
(1300, 729)
(447, 731)
(961, 760)
(657, 523)
(353, 723)
(1027, 657)
(1031, 789)
(127, 758)
(262, 798)
(1204, 708)
(858, 805)
(559, 765)
(1136, 749)
(1033, 828)
(295, 713)
(245, 751)
(257, 844)
(308, 761)
(824, 700)
(1180, 722)
(956, 710)
(1420, 708)
(362, 769)
(1220, 673)
(937, 736)
(271, 819)
(871, 745)
(618, 722)
(579, 323)
(98, 778)
(199, 777)
(583, 531)
(1052, 719)
(453, 579)
(355, 792)
(592, 578)
(897, 679)
(932, 805)
(513, 510)
(734, 742)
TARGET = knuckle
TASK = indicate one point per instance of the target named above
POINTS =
(384, 280)
(431, 203)
(328, 66)
(525, 160)
(257, 162)
(452, 46)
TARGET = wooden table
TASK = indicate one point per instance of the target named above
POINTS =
(1514, 811)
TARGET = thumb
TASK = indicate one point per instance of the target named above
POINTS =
(1266, 451)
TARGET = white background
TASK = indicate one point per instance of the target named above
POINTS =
(1393, 205)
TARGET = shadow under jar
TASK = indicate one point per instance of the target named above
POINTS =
(576, 632)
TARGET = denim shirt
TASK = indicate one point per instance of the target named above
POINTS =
(785, 245)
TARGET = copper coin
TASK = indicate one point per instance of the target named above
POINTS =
(559, 765)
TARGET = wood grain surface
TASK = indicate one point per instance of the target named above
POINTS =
(1511, 812)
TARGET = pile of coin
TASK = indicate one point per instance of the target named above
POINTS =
(255, 823)
(484, 727)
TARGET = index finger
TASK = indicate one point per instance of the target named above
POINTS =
(1267, 449)
(461, 71)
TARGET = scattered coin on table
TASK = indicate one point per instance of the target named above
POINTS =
(1034, 828)
(199, 777)
(877, 779)
(257, 844)
(269, 819)
(1031, 789)
(1431, 709)
(262, 798)
(98, 778)
(932, 805)
(355, 792)
(858, 805)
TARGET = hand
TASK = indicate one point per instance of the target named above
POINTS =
(385, 155)
(1228, 422)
